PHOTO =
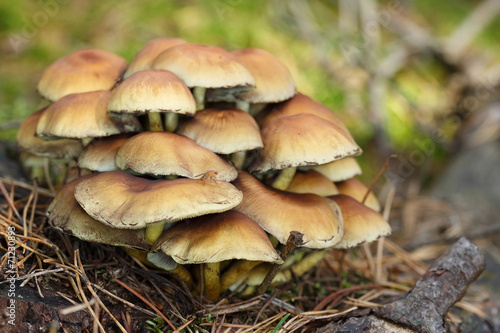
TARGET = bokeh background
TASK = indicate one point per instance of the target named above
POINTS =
(407, 77)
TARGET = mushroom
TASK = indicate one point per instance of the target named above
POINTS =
(143, 60)
(289, 142)
(99, 155)
(339, 170)
(204, 67)
(163, 153)
(298, 104)
(53, 152)
(354, 188)
(279, 213)
(83, 116)
(311, 181)
(210, 239)
(361, 223)
(65, 214)
(81, 71)
(224, 131)
(124, 201)
(153, 92)
(273, 81)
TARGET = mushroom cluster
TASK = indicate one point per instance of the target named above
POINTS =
(193, 155)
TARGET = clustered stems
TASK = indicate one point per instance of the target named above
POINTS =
(284, 179)
(155, 124)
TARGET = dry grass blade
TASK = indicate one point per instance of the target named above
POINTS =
(124, 285)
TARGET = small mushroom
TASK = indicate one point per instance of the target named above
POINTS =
(273, 80)
(153, 92)
(65, 214)
(123, 201)
(339, 170)
(279, 213)
(311, 181)
(354, 188)
(144, 59)
(361, 223)
(289, 142)
(99, 155)
(83, 116)
(204, 67)
(163, 153)
(225, 131)
(213, 238)
(81, 71)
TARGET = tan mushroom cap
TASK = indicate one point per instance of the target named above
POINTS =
(361, 223)
(311, 181)
(204, 66)
(65, 214)
(280, 212)
(339, 170)
(298, 104)
(57, 149)
(81, 71)
(273, 81)
(143, 60)
(163, 153)
(223, 131)
(217, 237)
(99, 155)
(84, 115)
(299, 140)
(121, 200)
(354, 188)
(152, 91)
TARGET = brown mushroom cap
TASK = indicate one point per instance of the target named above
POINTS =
(163, 153)
(223, 131)
(99, 155)
(311, 181)
(121, 200)
(81, 71)
(217, 237)
(361, 223)
(84, 115)
(65, 214)
(339, 170)
(298, 104)
(57, 149)
(143, 60)
(354, 188)
(299, 140)
(152, 91)
(280, 212)
(273, 81)
(204, 66)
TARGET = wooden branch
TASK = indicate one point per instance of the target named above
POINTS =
(425, 306)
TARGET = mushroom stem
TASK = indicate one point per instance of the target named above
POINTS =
(237, 270)
(199, 97)
(86, 141)
(153, 232)
(171, 121)
(238, 159)
(243, 105)
(155, 122)
(184, 275)
(211, 273)
(308, 262)
(256, 108)
(284, 178)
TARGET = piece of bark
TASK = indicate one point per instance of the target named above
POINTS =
(425, 306)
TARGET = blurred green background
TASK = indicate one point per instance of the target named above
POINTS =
(333, 48)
